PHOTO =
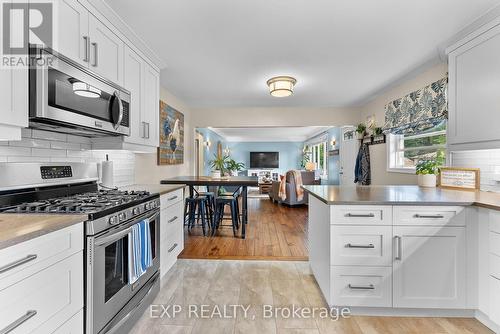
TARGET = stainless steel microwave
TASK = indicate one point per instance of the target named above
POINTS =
(64, 96)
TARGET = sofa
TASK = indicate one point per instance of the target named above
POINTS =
(291, 196)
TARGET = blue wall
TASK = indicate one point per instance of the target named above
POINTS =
(290, 152)
(208, 154)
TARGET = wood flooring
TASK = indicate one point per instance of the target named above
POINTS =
(274, 232)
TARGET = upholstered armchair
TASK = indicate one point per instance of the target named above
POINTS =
(291, 195)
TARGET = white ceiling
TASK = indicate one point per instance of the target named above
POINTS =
(219, 53)
(270, 134)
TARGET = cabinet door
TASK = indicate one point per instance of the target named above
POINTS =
(72, 31)
(429, 267)
(150, 112)
(106, 51)
(474, 74)
(133, 75)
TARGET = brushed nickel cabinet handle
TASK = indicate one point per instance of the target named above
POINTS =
(353, 215)
(86, 50)
(360, 246)
(17, 263)
(173, 247)
(173, 197)
(172, 219)
(18, 322)
(428, 216)
(96, 62)
(147, 127)
(397, 240)
(361, 287)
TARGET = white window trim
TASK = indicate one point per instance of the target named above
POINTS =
(391, 151)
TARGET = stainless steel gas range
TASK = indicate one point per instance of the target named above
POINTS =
(112, 304)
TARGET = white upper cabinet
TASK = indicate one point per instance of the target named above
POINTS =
(474, 102)
(151, 106)
(106, 51)
(72, 31)
(133, 75)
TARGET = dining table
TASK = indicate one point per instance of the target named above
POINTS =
(242, 182)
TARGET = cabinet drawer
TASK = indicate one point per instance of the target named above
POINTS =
(45, 300)
(170, 249)
(72, 326)
(495, 243)
(361, 215)
(429, 215)
(171, 198)
(494, 221)
(494, 313)
(361, 245)
(26, 258)
(361, 286)
(495, 266)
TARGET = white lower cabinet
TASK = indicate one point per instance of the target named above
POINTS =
(73, 325)
(42, 297)
(362, 286)
(494, 288)
(171, 229)
(429, 267)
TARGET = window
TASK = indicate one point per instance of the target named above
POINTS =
(318, 156)
(404, 151)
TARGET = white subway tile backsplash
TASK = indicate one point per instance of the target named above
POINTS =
(47, 152)
(48, 135)
(488, 161)
(14, 151)
(59, 145)
(45, 146)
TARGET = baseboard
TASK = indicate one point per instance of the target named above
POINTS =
(411, 312)
(485, 320)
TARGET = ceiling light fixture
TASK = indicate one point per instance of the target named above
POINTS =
(85, 90)
(281, 86)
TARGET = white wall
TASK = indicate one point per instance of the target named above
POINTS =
(45, 146)
(378, 153)
(147, 170)
(248, 117)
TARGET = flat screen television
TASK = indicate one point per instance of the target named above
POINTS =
(264, 159)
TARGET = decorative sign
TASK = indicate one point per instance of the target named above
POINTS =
(334, 152)
(459, 178)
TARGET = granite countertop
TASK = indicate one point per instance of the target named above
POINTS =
(155, 188)
(402, 195)
(17, 228)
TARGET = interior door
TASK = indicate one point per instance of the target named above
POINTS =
(429, 267)
(106, 51)
(72, 27)
(133, 74)
(348, 153)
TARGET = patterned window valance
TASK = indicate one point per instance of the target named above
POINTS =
(419, 110)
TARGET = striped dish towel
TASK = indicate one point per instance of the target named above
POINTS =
(140, 256)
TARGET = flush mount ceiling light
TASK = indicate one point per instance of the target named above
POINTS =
(85, 90)
(281, 86)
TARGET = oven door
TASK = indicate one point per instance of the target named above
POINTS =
(63, 92)
(108, 288)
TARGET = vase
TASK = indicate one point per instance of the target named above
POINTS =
(216, 174)
(427, 180)
(360, 135)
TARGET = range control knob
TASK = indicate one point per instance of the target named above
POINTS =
(136, 211)
(113, 220)
(147, 206)
(122, 216)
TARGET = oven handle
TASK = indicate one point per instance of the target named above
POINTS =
(118, 235)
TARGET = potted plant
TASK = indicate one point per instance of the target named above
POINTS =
(234, 167)
(426, 171)
(361, 130)
(218, 165)
(377, 131)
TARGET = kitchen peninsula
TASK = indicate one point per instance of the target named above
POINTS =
(406, 250)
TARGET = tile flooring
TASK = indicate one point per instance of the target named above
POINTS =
(192, 283)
